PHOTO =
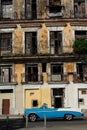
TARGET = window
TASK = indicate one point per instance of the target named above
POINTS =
(5, 74)
(81, 34)
(84, 91)
(7, 8)
(6, 91)
(43, 67)
(79, 8)
(31, 43)
(57, 72)
(81, 100)
(35, 103)
(55, 8)
(82, 72)
(55, 42)
(31, 73)
(6, 43)
(30, 9)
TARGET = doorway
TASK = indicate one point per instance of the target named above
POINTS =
(58, 102)
(5, 106)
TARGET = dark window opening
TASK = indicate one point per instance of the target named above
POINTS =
(35, 103)
(80, 34)
(79, 8)
(58, 92)
(6, 43)
(55, 42)
(55, 6)
(82, 72)
(5, 74)
(44, 67)
(30, 9)
(57, 72)
(6, 91)
(31, 73)
(31, 43)
(6, 10)
(81, 100)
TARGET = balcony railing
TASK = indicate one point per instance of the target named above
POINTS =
(57, 78)
(8, 79)
(81, 77)
(25, 79)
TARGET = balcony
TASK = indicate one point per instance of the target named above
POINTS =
(8, 79)
(80, 78)
(33, 80)
(60, 78)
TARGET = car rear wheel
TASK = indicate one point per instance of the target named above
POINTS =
(68, 117)
(32, 117)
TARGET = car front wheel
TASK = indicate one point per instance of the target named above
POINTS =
(68, 117)
(32, 117)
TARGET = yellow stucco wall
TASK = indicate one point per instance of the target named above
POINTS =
(42, 95)
(30, 95)
(46, 95)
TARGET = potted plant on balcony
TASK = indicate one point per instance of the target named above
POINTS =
(80, 46)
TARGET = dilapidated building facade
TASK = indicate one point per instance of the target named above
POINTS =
(37, 62)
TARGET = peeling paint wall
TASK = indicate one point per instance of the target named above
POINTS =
(18, 34)
(42, 9)
(68, 4)
(43, 38)
(18, 71)
(69, 71)
(68, 38)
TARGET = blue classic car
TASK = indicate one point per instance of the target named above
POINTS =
(34, 114)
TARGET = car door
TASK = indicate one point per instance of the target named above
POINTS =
(47, 112)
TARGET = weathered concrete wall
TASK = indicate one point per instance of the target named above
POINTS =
(19, 99)
(18, 9)
(42, 13)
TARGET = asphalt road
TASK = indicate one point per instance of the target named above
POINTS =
(20, 124)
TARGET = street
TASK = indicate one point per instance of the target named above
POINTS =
(20, 124)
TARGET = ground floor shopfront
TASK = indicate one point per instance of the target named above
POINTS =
(14, 99)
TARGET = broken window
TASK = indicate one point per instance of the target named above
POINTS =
(79, 8)
(55, 42)
(82, 72)
(80, 34)
(5, 74)
(55, 8)
(6, 8)
(57, 72)
(30, 9)
(6, 43)
(31, 43)
(31, 73)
